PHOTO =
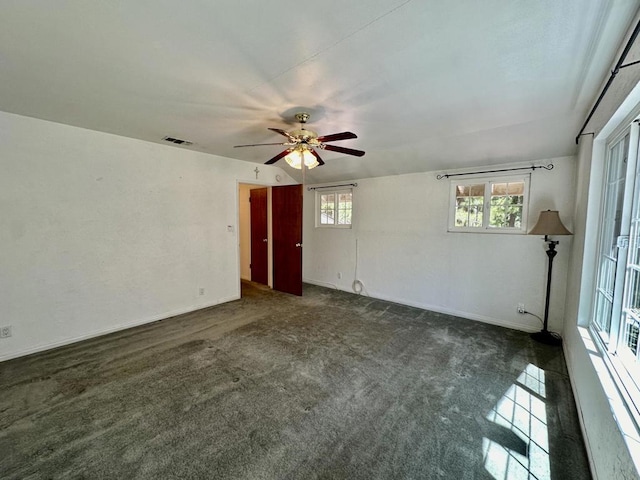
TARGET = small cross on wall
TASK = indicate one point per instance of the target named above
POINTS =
(257, 170)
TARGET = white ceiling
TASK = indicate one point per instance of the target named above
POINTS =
(426, 85)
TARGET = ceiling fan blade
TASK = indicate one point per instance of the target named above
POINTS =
(315, 154)
(277, 157)
(337, 136)
(282, 132)
(348, 151)
(259, 144)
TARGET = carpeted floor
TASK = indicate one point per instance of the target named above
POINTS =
(327, 386)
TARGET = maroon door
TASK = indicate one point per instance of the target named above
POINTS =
(286, 205)
(259, 245)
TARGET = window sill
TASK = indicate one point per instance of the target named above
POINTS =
(338, 227)
(617, 397)
(491, 231)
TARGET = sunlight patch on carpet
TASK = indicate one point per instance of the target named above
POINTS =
(522, 412)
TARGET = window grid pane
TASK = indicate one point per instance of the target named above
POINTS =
(609, 231)
(630, 328)
(603, 312)
(469, 205)
(344, 208)
(634, 241)
(507, 204)
(334, 208)
(631, 336)
(327, 208)
(616, 317)
(629, 351)
(486, 205)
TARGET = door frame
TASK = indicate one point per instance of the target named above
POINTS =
(268, 186)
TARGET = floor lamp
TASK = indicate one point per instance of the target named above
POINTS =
(548, 224)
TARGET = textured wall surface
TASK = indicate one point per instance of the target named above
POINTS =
(100, 232)
(406, 255)
(613, 443)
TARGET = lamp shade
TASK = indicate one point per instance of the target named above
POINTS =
(549, 224)
(299, 155)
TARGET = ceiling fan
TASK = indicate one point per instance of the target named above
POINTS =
(302, 144)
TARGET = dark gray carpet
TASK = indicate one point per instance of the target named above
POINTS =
(327, 386)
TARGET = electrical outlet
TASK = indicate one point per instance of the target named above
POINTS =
(201, 291)
(339, 275)
(5, 331)
(521, 309)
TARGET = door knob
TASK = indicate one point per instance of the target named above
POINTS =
(265, 240)
(298, 244)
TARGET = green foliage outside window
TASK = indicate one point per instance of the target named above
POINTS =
(335, 208)
(507, 202)
(344, 208)
(504, 209)
(469, 205)
(327, 208)
(632, 337)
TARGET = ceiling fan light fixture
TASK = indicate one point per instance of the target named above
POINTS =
(302, 145)
(299, 155)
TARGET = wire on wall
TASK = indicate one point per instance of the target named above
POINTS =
(533, 167)
(357, 286)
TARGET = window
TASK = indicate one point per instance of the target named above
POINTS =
(334, 208)
(616, 310)
(498, 205)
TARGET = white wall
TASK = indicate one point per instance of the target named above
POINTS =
(406, 255)
(610, 438)
(100, 232)
(598, 407)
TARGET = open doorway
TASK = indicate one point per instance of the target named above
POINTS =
(254, 233)
(270, 236)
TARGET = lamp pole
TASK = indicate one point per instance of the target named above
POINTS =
(544, 335)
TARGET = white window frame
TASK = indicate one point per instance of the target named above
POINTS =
(334, 191)
(610, 339)
(488, 182)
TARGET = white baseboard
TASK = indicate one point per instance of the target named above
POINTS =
(433, 308)
(114, 328)
(569, 361)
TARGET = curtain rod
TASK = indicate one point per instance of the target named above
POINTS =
(334, 186)
(614, 72)
(533, 167)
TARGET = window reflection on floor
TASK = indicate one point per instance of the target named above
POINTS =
(521, 413)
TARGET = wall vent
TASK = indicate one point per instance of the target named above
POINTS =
(177, 141)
